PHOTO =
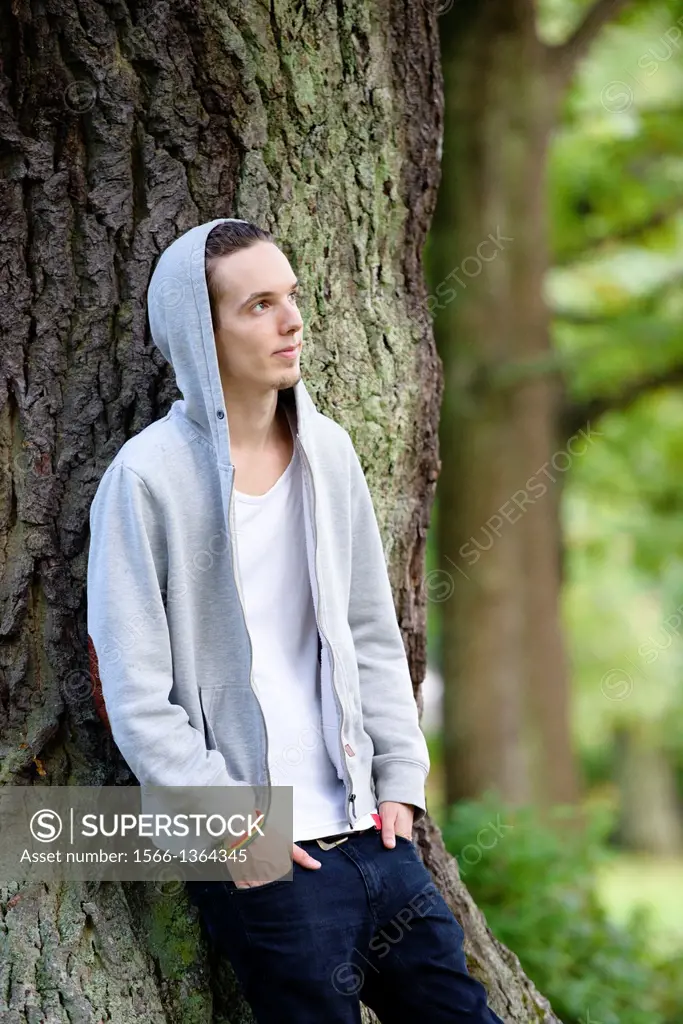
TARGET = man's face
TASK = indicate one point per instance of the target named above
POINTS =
(257, 315)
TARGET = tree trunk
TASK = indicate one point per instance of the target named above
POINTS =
(506, 697)
(122, 127)
(649, 819)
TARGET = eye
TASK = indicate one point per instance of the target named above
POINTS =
(261, 303)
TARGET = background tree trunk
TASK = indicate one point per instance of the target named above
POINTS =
(121, 127)
(506, 692)
(649, 821)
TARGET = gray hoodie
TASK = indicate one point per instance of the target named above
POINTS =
(170, 652)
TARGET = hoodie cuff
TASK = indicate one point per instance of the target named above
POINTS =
(404, 783)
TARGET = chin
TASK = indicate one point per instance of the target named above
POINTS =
(288, 380)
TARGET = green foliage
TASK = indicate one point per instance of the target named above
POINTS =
(616, 218)
(536, 885)
(623, 595)
(615, 175)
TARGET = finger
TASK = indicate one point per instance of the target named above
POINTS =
(388, 834)
(304, 859)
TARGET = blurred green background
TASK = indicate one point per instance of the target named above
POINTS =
(587, 890)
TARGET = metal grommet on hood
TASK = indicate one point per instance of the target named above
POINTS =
(220, 414)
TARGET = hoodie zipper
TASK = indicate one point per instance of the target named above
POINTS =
(351, 797)
(236, 574)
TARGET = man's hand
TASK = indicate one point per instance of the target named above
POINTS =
(299, 856)
(397, 819)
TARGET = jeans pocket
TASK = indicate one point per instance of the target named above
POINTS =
(262, 887)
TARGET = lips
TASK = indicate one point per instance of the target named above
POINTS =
(287, 351)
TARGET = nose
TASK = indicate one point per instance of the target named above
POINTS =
(292, 321)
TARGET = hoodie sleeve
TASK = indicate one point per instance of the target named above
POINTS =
(128, 637)
(390, 716)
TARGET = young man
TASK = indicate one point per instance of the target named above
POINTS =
(242, 628)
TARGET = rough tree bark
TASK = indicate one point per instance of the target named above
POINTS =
(506, 689)
(122, 125)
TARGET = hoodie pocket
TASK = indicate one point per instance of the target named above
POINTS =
(205, 699)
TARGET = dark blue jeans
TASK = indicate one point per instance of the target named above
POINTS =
(368, 925)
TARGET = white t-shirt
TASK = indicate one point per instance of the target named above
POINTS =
(271, 551)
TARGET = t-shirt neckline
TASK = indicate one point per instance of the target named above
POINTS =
(257, 499)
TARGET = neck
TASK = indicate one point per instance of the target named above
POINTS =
(256, 420)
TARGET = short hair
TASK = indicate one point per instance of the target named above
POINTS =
(223, 240)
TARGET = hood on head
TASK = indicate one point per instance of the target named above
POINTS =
(180, 322)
